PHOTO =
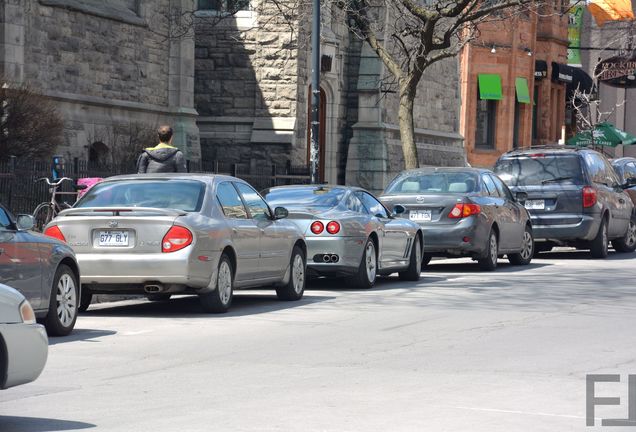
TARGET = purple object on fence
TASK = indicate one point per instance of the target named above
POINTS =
(89, 182)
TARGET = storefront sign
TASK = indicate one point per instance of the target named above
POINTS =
(617, 71)
(575, 22)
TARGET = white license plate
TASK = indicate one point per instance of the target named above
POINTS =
(113, 238)
(420, 215)
(535, 204)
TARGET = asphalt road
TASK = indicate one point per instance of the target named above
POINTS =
(461, 350)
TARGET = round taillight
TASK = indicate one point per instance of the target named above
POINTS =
(333, 227)
(317, 227)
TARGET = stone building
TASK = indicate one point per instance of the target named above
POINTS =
(513, 80)
(110, 66)
(252, 84)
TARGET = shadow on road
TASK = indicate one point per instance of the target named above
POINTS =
(448, 266)
(245, 302)
(583, 255)
(35, 424)
(86, 335)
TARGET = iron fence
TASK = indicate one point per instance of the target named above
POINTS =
(21, 193)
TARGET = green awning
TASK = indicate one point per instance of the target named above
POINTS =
(523, 94)
(490, 86)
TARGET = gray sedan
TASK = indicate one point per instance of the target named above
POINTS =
(349, 232)
(464, 212)
(24, 346)
(43, 269)
(163, 234)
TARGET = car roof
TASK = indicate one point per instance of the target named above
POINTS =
(549, 150)
(622, 160)
(424, 170)
(206, 178)
(325, 185)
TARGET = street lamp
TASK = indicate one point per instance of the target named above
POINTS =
(314, 153)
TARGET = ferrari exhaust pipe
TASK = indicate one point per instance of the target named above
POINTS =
(334, 258)
(326, 258)
(153, 288)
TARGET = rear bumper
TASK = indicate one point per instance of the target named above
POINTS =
(348, 249)
(553, 228)
(449, 239)
(179, 268)
(27, 350)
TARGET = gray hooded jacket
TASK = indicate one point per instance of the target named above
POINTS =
(160, 159)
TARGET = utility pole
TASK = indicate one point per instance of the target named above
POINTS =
(314, 153)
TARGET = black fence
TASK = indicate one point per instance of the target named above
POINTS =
(21, 193)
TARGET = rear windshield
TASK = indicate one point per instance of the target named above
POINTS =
(434, 182)
(540, 170)
(305, 197)
(186, 195)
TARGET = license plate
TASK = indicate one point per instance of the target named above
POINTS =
(420, 215)
(113, 238)
(535, 204)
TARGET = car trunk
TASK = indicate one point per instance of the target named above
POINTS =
(426, 209)
(116, 231)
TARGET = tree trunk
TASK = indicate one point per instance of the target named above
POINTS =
(407, 129)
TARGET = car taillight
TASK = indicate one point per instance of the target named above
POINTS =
(317, 227)
(589, 196)
(333, 227)
(462, 210)
(176, 239)
(54, 231)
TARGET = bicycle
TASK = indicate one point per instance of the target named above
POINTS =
(46, 211)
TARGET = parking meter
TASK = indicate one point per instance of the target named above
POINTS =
(57, 167)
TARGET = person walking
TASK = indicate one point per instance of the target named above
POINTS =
(163, 157)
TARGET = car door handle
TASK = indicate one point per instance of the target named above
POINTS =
(234, 230)
(262, 230)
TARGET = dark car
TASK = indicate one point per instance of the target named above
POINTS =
(574, 198)
(43, 269)
(464, 212)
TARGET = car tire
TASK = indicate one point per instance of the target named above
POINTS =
(628, 243)
(598, 246)
(524, 257)
(63, 304)
(295, 287)
(412, 273)
(540, 247)
(158, 297)
(488, 262)
(220, 300)
(85, 299)
(368, 269)
(426, 258)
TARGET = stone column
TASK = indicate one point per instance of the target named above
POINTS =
(181, 89)
(12, 40)
(367, 157)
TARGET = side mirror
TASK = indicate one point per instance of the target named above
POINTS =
(398, 209)
(521, 197)
(25, 222)
(280, 213)
(630, 182)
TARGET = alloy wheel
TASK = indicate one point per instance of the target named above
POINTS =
(66, 297)
(631, 234)
(298, 273)
(370, 261)
(526, 250)
(493, 248)
(225, 282)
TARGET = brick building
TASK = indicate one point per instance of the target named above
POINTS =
(108, 65)
(513, 80)
(252, 85)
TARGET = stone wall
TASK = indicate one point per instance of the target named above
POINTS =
(105, 64)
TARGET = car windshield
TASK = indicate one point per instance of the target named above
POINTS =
(305, 197)
(434, 183)
(184, 195)
(540, 169)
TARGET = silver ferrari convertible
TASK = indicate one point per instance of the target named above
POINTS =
(163, 234)
(350, 233)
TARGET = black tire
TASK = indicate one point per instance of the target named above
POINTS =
(627, 243)
(524, 257)
(295, 286)
(412, 273)
(426, 258)
(85, 299)
(66, 287)
(540, 247)
(598, 246)
(43, 214)
(488, 262)
(220, 300)
(158, 297)
(367, 272)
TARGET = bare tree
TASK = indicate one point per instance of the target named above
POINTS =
(30, 126)
(124, 142)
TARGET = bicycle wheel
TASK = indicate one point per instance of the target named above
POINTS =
(43, 214)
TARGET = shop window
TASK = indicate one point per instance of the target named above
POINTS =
(229, 6)
(486, 120)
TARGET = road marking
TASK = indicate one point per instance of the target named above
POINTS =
(497, 410)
